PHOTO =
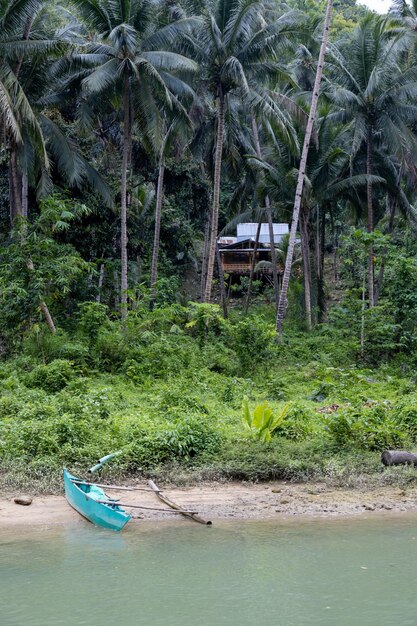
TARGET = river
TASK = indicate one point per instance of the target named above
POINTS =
(340, 572)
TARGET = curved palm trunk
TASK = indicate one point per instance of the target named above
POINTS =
(306, 268)
(204, 258)
(252, 267)
(321, 238)
(221, 282)
(123, 206)
(273, 251)
(48, 317)
(25, 192)
(282, 306)
(100, 282)
(392, 206)
(156, 239)
(269, 216)
(371, 289)
(42, 304)
(18, 178)
(15, 186)
(216, 196)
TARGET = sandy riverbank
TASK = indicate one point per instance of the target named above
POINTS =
(227, 501)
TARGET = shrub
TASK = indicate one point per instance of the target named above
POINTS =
(110, 350)
(369, 428)
(405, 415)
(10, 405)
(206, 321)
(273, 385)
(160, 357)
(52, 377)
(40, 342)
(252, 340)
(176, 402)
(219, 358)
(299, 423)
(92, 405)
(191, 436)
(93, 317)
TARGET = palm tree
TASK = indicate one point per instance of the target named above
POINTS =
(233, 46)
(328, 178)
(36, 142)
(282, 305)
(407, 11)
(170, 138)
(131, 61)
(17, 117)
(375, 94)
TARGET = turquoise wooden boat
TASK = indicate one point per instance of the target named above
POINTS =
(93, 504)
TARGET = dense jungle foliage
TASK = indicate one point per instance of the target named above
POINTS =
(132, 134)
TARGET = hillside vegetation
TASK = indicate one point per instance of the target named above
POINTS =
(132, 134)
(168, 390)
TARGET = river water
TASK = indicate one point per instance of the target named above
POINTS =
(356, 572)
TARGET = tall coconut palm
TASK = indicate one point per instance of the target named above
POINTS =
(234, 47)
(28, 51)
(328, 178)
(282, 305)
(17, 117)
(376, 95)
(407, 11)
(173, 136)
(131, 61)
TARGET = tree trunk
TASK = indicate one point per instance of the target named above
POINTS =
(18, 181)
(371, 292)
(282, 306)
(15, 186)
(363, 310)
(48, 317)
(204, 258)
(269, 216)
(398, 457)
(123, 208)
(273, 251)
(43, 306)
(392, 203)
(116, 290)
(221, 282)
(100, 282)
(335, 244)
(306, 269)
(252, 267)
(156, 239)
(25, 194)
(216, 195)
(321, 240)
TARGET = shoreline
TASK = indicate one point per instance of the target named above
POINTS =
(229, 501)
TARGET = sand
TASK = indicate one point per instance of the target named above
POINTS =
(226, 501)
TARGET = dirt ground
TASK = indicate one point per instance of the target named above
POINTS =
(225, 501)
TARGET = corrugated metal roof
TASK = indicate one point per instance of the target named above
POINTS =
(248, 230)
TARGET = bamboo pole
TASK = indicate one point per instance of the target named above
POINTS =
(138, 506)
(175, 506)
(116, 487)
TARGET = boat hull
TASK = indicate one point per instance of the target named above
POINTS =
(108, 516)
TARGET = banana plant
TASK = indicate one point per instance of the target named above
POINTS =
(262, 423)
